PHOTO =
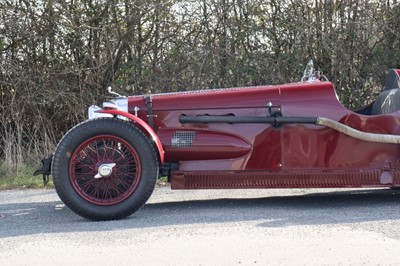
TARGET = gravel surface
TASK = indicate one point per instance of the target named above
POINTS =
(208, 227)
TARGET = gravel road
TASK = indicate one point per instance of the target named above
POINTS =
(209, 227)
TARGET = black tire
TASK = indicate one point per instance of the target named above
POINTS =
(89, 146)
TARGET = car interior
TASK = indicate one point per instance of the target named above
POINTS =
(388, 101)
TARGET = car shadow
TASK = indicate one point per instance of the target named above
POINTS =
(355, 206)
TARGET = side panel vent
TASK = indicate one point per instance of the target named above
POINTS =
(183, 139)
(266, 179)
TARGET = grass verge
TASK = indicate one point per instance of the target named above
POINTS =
(21, 178)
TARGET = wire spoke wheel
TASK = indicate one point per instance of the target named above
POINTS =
(105, 169)
(111, 188)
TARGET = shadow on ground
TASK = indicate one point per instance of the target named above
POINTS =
(351, 207)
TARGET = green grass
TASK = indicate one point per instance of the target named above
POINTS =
(162, 181)
(21, 178)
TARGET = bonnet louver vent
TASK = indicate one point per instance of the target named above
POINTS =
(183, 139)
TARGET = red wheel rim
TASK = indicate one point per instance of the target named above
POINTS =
(97, 151)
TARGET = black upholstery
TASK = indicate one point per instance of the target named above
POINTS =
(393, 80)
(387, 102)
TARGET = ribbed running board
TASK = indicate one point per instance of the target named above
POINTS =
(296, 179)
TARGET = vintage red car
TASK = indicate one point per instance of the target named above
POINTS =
(294, 135)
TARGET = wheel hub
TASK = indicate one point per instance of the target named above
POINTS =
(104, 170)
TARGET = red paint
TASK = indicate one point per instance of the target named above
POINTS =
(206, 145)
(292, 155)
(142, 125)
(281, 179)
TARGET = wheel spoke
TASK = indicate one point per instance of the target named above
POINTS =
(92, 148)
(84, 155)
(106, 190)
(108, 193)
(87, 183)
(122, 182)
(95, 191)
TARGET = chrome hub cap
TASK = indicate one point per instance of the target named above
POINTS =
(104, 170)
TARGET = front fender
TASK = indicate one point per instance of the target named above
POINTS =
(143, 125)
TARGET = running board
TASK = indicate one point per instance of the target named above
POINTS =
(295, 179)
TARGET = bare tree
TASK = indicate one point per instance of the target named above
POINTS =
(57, 57)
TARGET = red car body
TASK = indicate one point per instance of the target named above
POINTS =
(229, 155)
(255, 137)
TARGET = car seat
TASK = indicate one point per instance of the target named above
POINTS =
(388, 101)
